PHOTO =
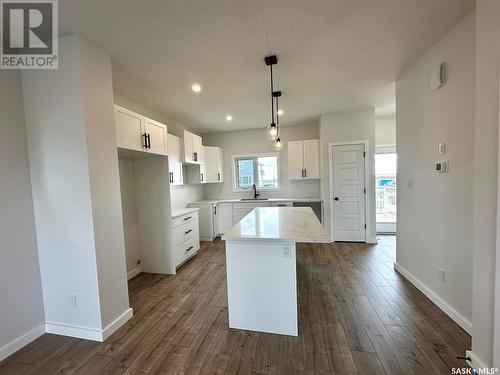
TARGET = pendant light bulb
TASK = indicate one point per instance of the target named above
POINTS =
(277, 145)
(272, 131)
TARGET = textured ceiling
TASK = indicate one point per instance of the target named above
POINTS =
(333, 55)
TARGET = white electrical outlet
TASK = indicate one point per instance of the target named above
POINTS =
(73, 301)
(286, 252)
(441, 274)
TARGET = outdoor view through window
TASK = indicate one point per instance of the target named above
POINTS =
(259, 170)
(385, 171)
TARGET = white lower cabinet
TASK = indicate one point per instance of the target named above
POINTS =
(185, 237)
(224, 217)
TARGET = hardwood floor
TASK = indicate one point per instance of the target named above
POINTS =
(357, 316)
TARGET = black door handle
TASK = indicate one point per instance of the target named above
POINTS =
(336, 198)
(188, 231)
(145, 135)
(189, 249)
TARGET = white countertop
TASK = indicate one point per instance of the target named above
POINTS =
(177, 212)
(239, 200)
(298, 224)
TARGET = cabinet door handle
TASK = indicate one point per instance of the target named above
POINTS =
(215, 210)
(202, 177)
(187, 218)
(145, 136)
(195, 156)
(188, 231)
(305, 173)
(302, 173)
(148, 138)
(171, 175)
(189, 248)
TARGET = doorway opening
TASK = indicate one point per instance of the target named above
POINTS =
(386, 189)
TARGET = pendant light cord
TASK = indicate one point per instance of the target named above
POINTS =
(272, 101)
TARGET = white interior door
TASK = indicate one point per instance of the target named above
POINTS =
(349, 193)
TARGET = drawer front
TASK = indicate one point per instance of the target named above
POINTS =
(186, 250)
(185, 219)
(251, 205)
(282, 204)
(185, 231)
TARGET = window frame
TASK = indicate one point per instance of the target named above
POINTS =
(235, 158)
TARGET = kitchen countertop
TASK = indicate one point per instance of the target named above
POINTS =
(177, 212)
(297, 224)
(238, 200)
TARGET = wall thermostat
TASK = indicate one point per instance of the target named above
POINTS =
(441, 167)
(438, 77)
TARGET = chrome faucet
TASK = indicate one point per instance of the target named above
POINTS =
(255, 194)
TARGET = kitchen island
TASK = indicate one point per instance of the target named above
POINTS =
(262, 270)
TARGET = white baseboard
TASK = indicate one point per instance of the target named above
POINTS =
(87, 333)
(113, 327)
(372, 240)
(137, 270)
(94, 334)
(447, 309)
(21, 341)
(475, 362)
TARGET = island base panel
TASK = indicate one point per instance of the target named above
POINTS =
(262, 286)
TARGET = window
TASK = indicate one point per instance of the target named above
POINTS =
(261, 170)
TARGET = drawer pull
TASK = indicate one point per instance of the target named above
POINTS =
(188, 231)
(189, 249)
(187, 218)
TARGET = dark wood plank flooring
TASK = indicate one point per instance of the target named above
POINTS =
(357, 316)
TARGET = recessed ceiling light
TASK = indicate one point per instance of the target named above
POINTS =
(280, 112)
(229, 117)
(196, 87)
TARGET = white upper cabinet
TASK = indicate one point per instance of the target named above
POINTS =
(192, 148)
(311, 159)
(157, 136)
(174, 160)
(136, 132)
(295, 160)
(303, 160)
(213, 164)
(129, 129)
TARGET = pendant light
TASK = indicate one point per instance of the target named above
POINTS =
(272, 129)
(277, 144)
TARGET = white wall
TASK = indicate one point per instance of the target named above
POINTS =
(385, 130)
(485, 186)
(74, 175)
(104, 181)
(434, 217)
(21, 305)
(348, 127)
(255, 141)
(179, 195)
(129, 213)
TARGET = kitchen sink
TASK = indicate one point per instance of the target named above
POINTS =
(254, 199)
